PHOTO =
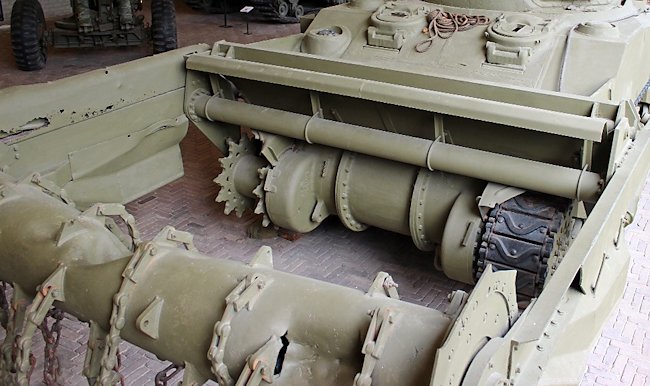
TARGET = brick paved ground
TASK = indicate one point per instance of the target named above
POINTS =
(51, 8)
(621, 357)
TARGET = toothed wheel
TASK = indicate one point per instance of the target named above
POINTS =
(260, 208)
(234, 200)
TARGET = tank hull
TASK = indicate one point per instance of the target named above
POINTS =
(516, 178)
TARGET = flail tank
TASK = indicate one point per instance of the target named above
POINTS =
(507, 139)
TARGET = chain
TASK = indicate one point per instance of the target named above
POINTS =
(118, 366)
(32, 364)
(31, 360)
(51, 335)
(444, 24)
(243, 296)
(92, 362)
(165, 375)
(109, 372)
(106, 210)
(381, 327)
(109, 362)
(15, 320)
(4, 306)
(50, 291)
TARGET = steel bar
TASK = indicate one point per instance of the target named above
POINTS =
(533, 118)
(507, 170)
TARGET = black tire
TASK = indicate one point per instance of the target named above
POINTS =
(28, 35)
(163, 25)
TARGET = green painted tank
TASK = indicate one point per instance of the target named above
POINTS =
(506, 138)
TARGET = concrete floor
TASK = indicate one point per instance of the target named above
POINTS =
(621, 356)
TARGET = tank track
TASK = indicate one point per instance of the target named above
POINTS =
(520, 234)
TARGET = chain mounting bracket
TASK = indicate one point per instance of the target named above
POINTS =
(173, 237)
(381, 327)
(261, 365)
(383, 285)
(102, 211)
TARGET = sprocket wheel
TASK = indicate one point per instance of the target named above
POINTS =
(260, 208)
(228, 193)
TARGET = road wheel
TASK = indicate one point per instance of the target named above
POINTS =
(283, 8)
(299, 11)
(28, 35)
(163, 25)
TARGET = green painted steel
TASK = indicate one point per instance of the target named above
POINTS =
(512, 148)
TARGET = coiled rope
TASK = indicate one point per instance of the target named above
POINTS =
(444, 24)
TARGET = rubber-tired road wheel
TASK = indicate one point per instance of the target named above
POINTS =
(28, 35)
(298, 11)
(283, 8)
(163, 25)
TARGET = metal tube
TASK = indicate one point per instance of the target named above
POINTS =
(533, 118)
(507, 170)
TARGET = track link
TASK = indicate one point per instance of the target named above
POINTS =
(520, 234)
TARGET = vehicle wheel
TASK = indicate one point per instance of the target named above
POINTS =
(299, 11)
(283, 8)
(163, 25)
(28, 35)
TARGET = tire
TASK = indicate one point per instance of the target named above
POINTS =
(299, 11)
(28, 35)
(163, 25)
(283, 8)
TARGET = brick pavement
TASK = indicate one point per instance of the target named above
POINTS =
(51, 8)
(621, 356)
